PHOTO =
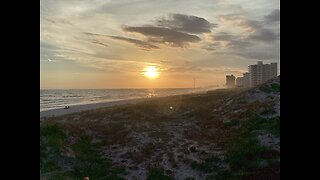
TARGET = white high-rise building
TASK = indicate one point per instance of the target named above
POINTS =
(246, 79)
(260, 73)
(243, 81)
(273, 70)
(239, 82)
(230, 81)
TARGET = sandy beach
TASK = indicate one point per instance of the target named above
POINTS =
(85, 107)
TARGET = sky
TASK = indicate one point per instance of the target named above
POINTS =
(93, 44)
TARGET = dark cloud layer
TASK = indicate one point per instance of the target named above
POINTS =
(274, 16)
(142, 44)
(186, 23)
(164, 35)
(246, 46)
(173, 30)
(139, 43)
(99, 43)
(257, 32)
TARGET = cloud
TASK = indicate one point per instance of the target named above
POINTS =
(186, 23)
(164, 35)
(92, 34)
(259, 45)
(252, 54)
(99, 43)
(231, 41)
(209, 48)
(139, 43)
(224, 36)
(258, 55)
(212, 46)
(237, 20)
(57, 21)
(172, 30)
(47, 45)
(183, 69)
(265, 35)
(142, 44)
(274, 16)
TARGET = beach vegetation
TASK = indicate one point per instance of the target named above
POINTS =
(268, 88)
(190, 178)
(245, 153)
(209, 165)
(158, 174)
(87, 161)
(268, 110)
(100, 143)
(232, 123)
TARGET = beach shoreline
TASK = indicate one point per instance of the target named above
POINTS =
(86, 107)
(92, 106)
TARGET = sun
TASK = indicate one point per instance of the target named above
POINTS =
(151, 72)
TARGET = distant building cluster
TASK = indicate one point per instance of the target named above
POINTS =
(258, 73)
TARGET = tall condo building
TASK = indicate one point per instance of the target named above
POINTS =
(246, 79)
(230, 81)
(260, 73)
(243, 81)
(239, 82)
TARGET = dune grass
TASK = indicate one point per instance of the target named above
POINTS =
(87, 161)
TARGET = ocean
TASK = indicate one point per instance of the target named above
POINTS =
(58, 98)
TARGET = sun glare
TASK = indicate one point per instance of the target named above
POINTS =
(151, 72)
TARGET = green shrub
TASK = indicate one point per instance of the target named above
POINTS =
(210, 165)
(193, 149)
(245, 154)
(269, 110)
(52, 136)
(158, 174)
(273, 126)
(90, 163)
(52, 144)
(258, 123)
(190, 178)
(149, 149)
(274, 87)
(232, 123)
